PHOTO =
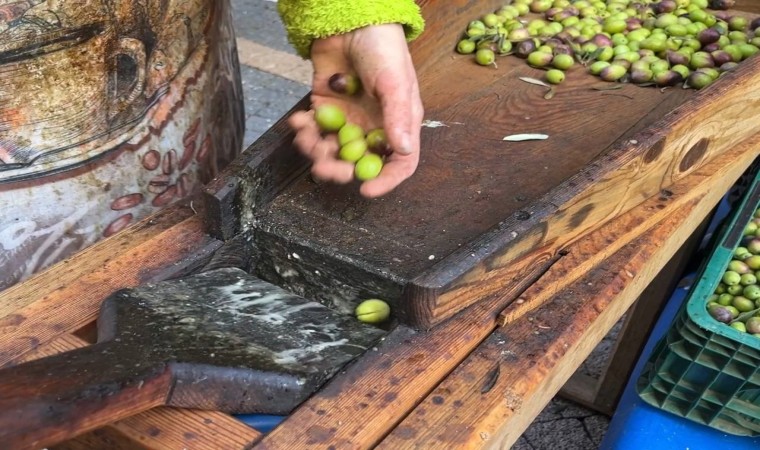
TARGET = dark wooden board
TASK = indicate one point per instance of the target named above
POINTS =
(476, 205)
(220, 340)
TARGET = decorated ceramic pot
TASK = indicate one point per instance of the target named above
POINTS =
(109, 111)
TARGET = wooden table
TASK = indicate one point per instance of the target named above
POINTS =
(468, 383)
(477, 378)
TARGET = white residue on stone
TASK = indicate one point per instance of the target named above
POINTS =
(294, 355)
(431, 257)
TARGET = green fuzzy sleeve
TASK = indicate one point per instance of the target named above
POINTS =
(306, 20)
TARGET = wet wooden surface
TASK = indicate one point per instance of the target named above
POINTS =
(464, 224)
(377, 400)
(582, 265)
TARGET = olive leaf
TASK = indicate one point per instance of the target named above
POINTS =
(534, 81)
(611, 87)
(525, 137)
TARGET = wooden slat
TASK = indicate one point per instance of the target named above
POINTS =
(637, 326)
(492, 397)
(158, 429)
(574, 265)
(71, 269)
(121, 262)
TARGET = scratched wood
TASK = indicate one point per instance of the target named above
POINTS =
(477, 206)
(43, 308)
(374, 394)
(492, 397)
(158, 429)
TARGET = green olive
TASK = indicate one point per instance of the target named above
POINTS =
(353, 151)
(738, 326)
(485, 57)
(349, 132)
(555, 76)
(465, 46)
(329, 118)
(753, 325)
(373, 311)
(731, 278)
(368, 167)
(752, 292)
(563, 61)
(743, 304)
(725, 299)
(539, 59)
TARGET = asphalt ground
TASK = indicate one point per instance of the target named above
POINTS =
(275, 79)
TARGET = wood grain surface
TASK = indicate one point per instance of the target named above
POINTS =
(68, 295)
(160, 428)
(462, 226)
(491, 398)
(358, 408)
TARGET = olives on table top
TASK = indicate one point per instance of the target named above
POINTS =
(680, 38)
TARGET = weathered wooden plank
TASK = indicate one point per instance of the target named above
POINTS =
(574, 265)
(491, 398)
(637, 326)
(71, 269)
(158, 429)
(433, 255)
(121, 262)
(359, 406)
(391, 381)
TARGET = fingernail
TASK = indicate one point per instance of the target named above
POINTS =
(406, 144)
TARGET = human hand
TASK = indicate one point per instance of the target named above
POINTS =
(389, 99)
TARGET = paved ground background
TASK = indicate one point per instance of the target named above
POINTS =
(274, 79)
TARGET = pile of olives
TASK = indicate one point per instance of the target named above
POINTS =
(366, 151)
(736, 300)
(660, 43)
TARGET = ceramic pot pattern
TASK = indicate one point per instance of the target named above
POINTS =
(109, 111)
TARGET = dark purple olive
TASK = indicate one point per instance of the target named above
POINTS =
(728, 66)
(674, 58)
(641, 76)
(344, 83)
(633, 23)
(721, 314)
(665, 6)
(708, 36)
(601, 40)
(667, 78)
(525, 48)
(721, 5)
(754, 24)
(563, 49)
(709, 48)
(549, 13)
(721, 57)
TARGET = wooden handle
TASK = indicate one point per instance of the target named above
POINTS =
(52, 399)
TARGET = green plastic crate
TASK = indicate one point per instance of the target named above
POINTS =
(702, 369)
